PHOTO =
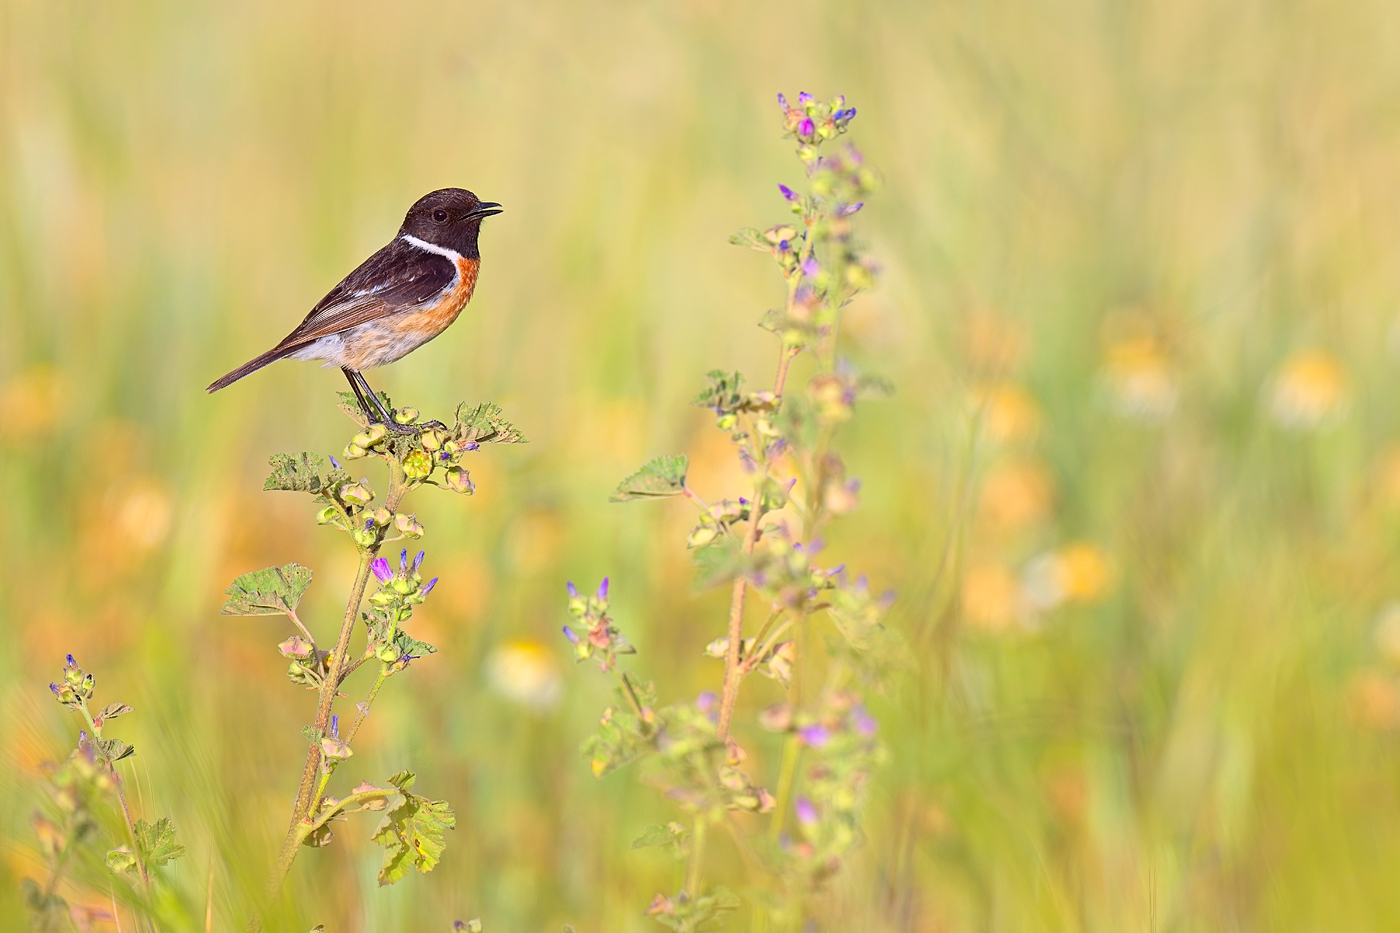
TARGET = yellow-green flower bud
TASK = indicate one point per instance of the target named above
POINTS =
(417, 465)
(353, 451)
(406, 415)
(431, 440)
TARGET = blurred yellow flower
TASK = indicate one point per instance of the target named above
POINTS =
(525, 672)
(991, 597)
(1309, 389)
(1014, 495)
(1075, 573)
(29, 402)
(1008, 411)
(1139, 375)
(993, 344)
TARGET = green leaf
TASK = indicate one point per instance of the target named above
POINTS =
(312, 734)
(752, 238)
(156, 842)
(407, 644)
(268, 592)
(723, 393)
(670, 835)
(412, 832)
(485, 424)
(115, 749)
(113, 710)
(658, 479)
(121, 860)
(301, 473)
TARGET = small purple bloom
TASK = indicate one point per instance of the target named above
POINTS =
(603, 590)
(573, 590)
(428, 587)
(472, 446)
(706, 701)
(804, 98)
(815, 546)
(56, 689)
(865, 723)
(418, 561)
(403, 561)
(807, 127)
(806, 811)
(783, 245)
(850, 113)
(782, 101)
(850, 209)
(335, 463)
(811, 267)
(571, 635)
(444, 455)
(71, 662)
(788, 193)
(369, 524)
(335, 727)
(815, 735)
(743, 501)
(381, 570)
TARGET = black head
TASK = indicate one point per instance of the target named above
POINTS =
(449, 217)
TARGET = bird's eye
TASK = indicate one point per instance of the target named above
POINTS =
(440, 215)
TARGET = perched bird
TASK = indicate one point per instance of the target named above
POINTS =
(396, 301)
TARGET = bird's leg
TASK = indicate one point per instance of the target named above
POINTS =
(383, 416)
(359, 394)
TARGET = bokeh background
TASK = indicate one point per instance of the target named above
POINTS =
(1138, 487)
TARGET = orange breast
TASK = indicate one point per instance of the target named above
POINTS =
(434, 320)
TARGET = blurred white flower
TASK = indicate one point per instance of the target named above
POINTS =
(1309, 390)
(525, 672)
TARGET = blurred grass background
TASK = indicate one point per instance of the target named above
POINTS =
(1138, 487)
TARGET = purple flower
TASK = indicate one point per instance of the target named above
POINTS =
(571, 635)
(573, 590)
(811, 267)
(335, 463)
(807, 127)
(403, 561)
(804, 98)
(369, 524)
(428, 587)
(71, 662)
(782, 101)
(418, 561)
(472, 446)
(788, 193)
(706, 701)
(603, 590)
(806, 811)
(815, 735)
(381, 570)
(56, 689)
(850, 209)
(335, 727)
(865, 723)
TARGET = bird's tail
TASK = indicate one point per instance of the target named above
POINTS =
(253, 365)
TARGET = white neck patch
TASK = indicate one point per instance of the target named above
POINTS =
(424, 245)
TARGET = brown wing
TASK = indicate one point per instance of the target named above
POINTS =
(394, 279)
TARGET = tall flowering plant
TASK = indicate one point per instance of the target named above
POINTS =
(765, 544)
(412, 829)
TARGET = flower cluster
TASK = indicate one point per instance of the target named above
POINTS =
(767, 542)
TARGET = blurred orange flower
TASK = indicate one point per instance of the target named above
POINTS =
(1309, 389)
(1139, 374)
(1008, 411)
(1014, 495)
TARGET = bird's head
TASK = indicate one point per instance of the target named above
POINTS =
(449, 217)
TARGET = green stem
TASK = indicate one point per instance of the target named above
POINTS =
(697, 857)
(791, 749)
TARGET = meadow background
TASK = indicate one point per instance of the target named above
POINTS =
(1138, 487)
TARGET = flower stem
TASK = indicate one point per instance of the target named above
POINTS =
(697, 858)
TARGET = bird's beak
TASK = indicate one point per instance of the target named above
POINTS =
(486, 209)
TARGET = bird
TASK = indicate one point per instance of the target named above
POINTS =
(404, 295)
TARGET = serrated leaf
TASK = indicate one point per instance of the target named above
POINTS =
(312, 734)
(156, 842)
(115, 749)
(298, 473)
(752, 238)
(406, 644)
(268, 592)
(486, 424)
(724, 393)
(658, 479)
(412, 832)
(113, 710)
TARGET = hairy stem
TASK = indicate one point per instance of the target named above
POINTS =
(732, 673)
(697, 858)
(305, 791)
